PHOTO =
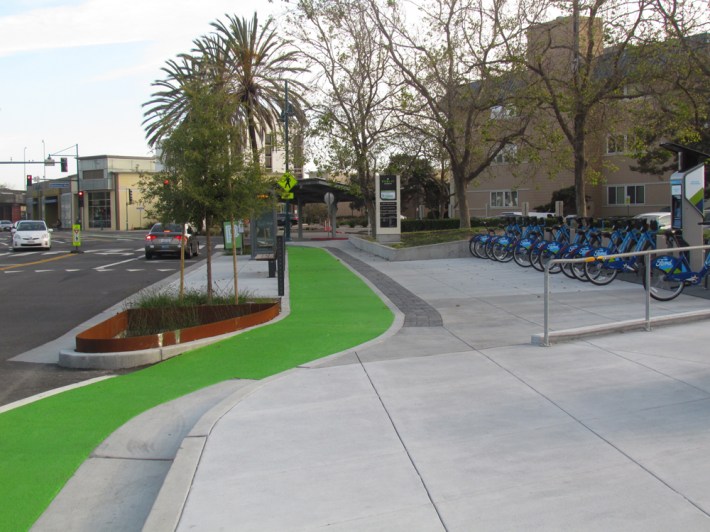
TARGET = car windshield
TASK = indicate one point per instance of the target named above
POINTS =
(31, 226)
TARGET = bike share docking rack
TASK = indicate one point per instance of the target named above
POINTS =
(645, 323)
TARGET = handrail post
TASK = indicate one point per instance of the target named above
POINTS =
(647, 275)
(546, 337)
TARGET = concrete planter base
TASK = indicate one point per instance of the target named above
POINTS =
(104, 345)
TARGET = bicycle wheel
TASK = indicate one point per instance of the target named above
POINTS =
(521, 255)
(567, 267)
(502, 253)
(544, 258)
(577, 269)
(663, 286)
(598, 273)
(535, 254)
(489, 247)
(480, 249)
(472, 246)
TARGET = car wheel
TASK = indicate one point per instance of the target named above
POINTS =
(148, 256)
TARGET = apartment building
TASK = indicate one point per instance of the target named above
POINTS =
(617, 189)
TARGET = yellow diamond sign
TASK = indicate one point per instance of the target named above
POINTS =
(287, 182)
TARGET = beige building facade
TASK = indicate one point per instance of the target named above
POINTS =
(616, 190)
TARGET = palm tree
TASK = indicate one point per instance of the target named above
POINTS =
(243, 68)
(258, 64)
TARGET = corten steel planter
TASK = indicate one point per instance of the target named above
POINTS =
(107, 336)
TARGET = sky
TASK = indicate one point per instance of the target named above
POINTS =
(77, 72)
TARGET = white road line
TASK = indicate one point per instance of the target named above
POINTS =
(99, 268)
(28, 400)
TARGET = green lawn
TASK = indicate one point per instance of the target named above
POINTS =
(43, 443)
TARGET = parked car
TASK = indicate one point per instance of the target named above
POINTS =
(5, 225)
(281, 218)
(31, 234)
(166, 239)
(663, 219)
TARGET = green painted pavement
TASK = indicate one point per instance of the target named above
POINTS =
(42, 444)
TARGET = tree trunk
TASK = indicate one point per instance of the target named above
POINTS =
(371, 208)
(460, 187)
(580, 165)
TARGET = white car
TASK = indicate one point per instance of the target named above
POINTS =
(5, 225)
(662, 218)
(31, 234)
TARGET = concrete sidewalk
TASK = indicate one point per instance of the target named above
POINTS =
(452, 420)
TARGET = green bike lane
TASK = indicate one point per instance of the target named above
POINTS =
(43, 443)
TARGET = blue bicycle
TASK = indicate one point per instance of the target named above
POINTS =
(670, 275)
(602, 272)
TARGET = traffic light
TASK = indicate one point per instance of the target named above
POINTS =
(81, 199)
(130, 196)
(29, 181)
(63, 164)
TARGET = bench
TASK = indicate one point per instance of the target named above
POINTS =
(271, 257)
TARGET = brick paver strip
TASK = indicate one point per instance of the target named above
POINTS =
(417, 312)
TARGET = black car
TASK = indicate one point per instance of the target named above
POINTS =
(166, 239)
(281, 218)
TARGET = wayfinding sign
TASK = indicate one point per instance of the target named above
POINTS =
(387, 201)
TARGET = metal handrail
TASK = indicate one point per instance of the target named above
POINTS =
(647, 273)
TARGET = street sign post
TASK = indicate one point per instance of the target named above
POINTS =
(76, 238)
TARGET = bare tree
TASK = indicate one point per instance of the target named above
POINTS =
(354, 92)
(454, 64)
(582, 62)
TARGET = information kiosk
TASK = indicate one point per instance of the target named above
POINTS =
(687, 197)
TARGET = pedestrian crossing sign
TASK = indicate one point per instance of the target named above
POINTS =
(287, 182)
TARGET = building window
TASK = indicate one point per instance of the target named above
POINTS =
(504, 198)
(617, 195)
(618, 143)
(99, 204)
(507, 154)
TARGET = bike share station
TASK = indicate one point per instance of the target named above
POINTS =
(388, 203)
(687, 198)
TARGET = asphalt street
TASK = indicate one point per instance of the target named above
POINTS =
(47, 293)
